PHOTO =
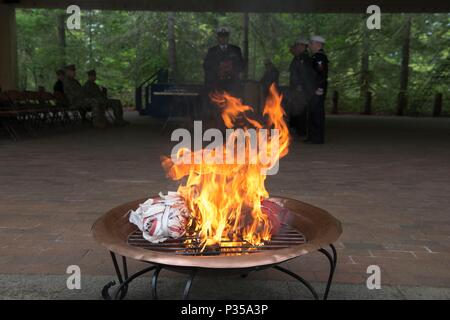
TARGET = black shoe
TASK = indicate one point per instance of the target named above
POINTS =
(313, 142)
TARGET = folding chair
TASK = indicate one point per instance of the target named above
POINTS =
(40, 112)
(8, 117)
(55, 110)
(69, 114)
(25, 113)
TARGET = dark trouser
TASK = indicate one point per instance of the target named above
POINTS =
(212, 112)
(232, 87)
(297, 102)
(298, 122)
(116, 106)
(316, 119)
(89, 104)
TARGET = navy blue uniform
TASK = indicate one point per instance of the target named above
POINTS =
(222, 66)
(316, 116)
(301, 86)
(301, 74)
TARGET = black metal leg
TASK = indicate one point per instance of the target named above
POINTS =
(125, 275)
(155, 282)
(116, 266)
(126, 282)
(122, 278)
(189, 284)
(333, 261)
(118, 292)
(105, 290)
(296, 276)
(125, 269)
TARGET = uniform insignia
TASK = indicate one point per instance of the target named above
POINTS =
(320, 65)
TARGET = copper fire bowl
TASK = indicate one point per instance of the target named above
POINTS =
(318, 226)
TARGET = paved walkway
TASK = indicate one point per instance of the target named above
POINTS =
(232, 288)
(387, 180)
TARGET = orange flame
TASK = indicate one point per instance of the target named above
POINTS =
(225, 198)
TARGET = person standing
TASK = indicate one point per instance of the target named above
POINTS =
(316, 116)
(301, 79)
(223, 65)
(94, 91)
(271, 76)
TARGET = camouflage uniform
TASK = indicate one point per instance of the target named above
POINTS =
(77, 99)
(92, 90)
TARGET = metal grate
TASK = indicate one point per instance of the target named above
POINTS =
(189, 246)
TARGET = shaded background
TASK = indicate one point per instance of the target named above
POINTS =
(127, 47)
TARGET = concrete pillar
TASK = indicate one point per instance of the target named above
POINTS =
(8, 47)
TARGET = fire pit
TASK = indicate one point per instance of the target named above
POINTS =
(306, 229)
(221, 218)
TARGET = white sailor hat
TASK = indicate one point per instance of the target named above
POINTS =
(223, 30)
(301, 40)
(318, 39)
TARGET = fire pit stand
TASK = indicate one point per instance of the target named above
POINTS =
(307, 229)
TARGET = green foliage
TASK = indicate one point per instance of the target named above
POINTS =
(127, 47)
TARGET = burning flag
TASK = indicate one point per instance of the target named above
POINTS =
(224, 197)
(160, 219)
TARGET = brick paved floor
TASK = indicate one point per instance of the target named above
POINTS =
(387, 180)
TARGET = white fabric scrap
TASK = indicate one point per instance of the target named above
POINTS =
(161, 219)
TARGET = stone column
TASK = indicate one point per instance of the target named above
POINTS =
(8, 47)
